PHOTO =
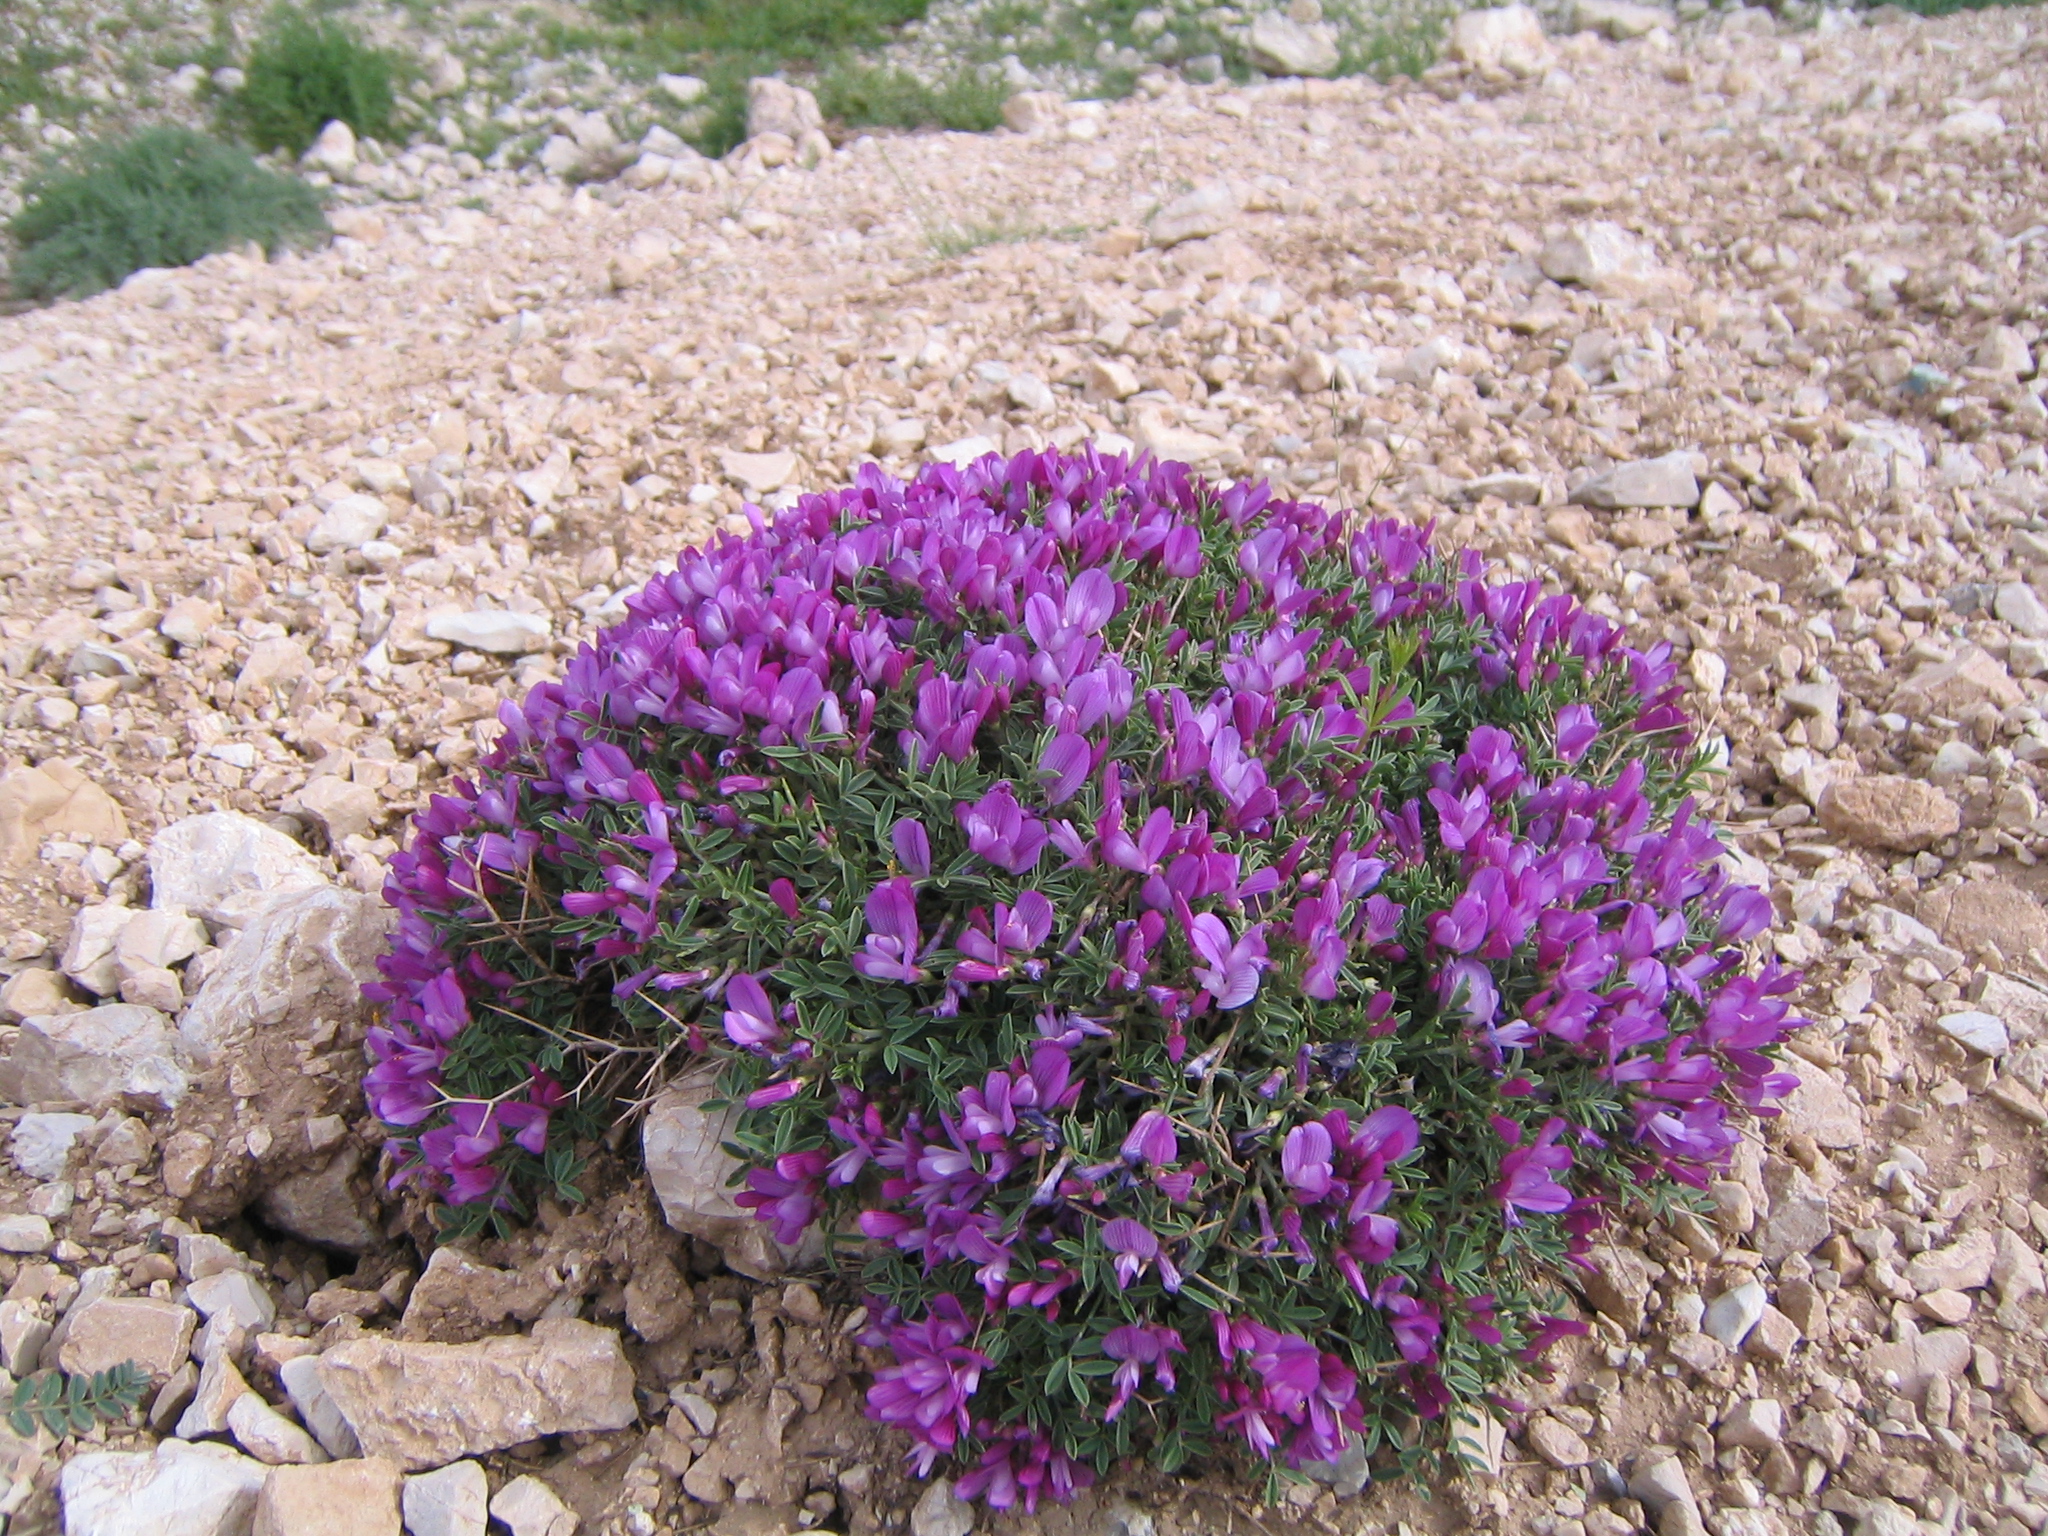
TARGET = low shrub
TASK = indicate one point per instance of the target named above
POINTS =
(164, 197)
(1213, 960)
(302, 75)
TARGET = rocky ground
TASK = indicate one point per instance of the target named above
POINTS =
(1727, 328)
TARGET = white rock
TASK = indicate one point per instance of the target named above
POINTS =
(235, 1294)
(175, 1490)
(496, 630)
(543, 484)
(269, 1436)
(2004, 351)
(349, 523)
(1606, 258)
(25, 1234)
(96, 1056)
(2020, 606)
(1282, 46)
(688, 1166)
(41, 1144)
(300, 1378)
(225, 866)
(1734, 1314)
(683, 90)
(1034, 111)
(758, 473)
(334, 151)
(1984, 1033)
(964, 451)
(89, 953)
(529, 1507)
(1208, 210)
(1028, 392)
(938, 1512)
(776, 106)
(162, 936)
(1662, 482)
(451, 1501)
(1619, 19)
(1976, 125)
(1508, 37)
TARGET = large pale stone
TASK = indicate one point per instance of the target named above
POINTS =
(1951, 688)
(1662, 482)
(175, 1490)
(496, 630)
(156, 1335)
(690, 1169)
(452, 1501)
(97, 1056)
(340, 1498)
(1208, 210)
(36, 803)
(269, 1436)
(425, 1405)
(526, 1506)
(285, 999)
(1987, 912)
(1609, 260)
(1508, 37)
(1619, 20)
(41, 1144)
(1282, 46)
(758, 473)
(776, 106)
(300, 1378)
(1888, 810)
(224, 866)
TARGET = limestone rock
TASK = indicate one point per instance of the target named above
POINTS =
(1609, 260)
(776, 106)
(331, 1203)
(156, 1335)
(1208, 210)
(426, 1405)
(340, 1498)
(1282, 46)
(758, 473)
(287, 995)
(1732, 1314)
(1798, 1222)
(1662, 482)
(451, 1501)
(1756, 1424)
(1975, 1030)
(223, 866)
(334, 151)
(1963, 1265)
(1618, 1286)
(689, 1169)
(269, 1436)
(98, 1056)
(495, 630)
(1619, 20)
(940, 1512)
(1952, 688)
(340, 808)
(300, 1378)
(41, 1144)
(1034, 111)
(349, 522)
(529, 1507)
(1557, 1442)
(1886, 810)
(1987, 913)
(175, 1490)
(458, 1300)
(36, 803)
(1508, 37)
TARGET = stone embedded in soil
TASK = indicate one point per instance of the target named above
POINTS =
(36, 803)
(1888, 811)
(450, 1501)
(1281, 45)
(269, 1436)
(175, 1490)
(492, 630)
(1208, 210)
(41, 1144)
(1663, 482)
(1732, 1314)
(224, 866)
(300, 1378)
(526, 1506)
(339, 1498)
(426, 1405)
(1508, 37)
(102, 1333)
(1983, 1033)
(1963, 1265)
(97, 1056)
(938, 1512)
(1557, 1442)
(688, 1166)
(1980, 913)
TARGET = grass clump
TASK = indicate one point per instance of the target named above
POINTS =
(886, 97)
(162, 198)
(304, 74)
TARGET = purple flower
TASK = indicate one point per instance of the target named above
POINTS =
(1151, 1140)
(750, 1022)
(1527, 1174)
(1137, 1345)
(1577, 729)
(1305, 1160)
(1136, 1246)
(913, 846)
(890, 953)
(1065, 765)
(1228, 972)
(787, 1195)
(1001, 831)
(925, 1392)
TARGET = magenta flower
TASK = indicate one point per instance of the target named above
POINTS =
(1001, 831)
(925, 1392)
(787, 1196)
(1135, 1346)
(1528, 1174)
(1228, 972)
(750, 1021)
(1137, 1247)
(890, 953)
(1151, 1140)
(1577, 729)
(913, 846)
(1305, 1160)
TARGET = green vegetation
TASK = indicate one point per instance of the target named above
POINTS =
(853, 92)
(164, 197)
(74, 1404)
(305, 73)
